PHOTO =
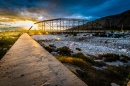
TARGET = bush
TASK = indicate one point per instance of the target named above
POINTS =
(7, 39)
(78, 49)
(64, 51)
(100, 78)
(106, 42)
(74, 61)
(99, 64)
(79, 55)
(126, 57)
(119, 73)
(127, 80)
(109, 57)
(50, 48)
(82, 56)
(74, 34)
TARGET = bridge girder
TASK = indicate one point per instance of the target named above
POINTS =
(60, 24)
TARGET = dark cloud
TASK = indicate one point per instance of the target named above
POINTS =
(46, 9)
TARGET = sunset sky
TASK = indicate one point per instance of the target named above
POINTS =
(17, 13)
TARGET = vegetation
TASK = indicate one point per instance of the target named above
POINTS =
(78, 49)
(35, 32)
(7, 39)
(127, 80)
(82, 56)
(64, 51)
(125, 57)
(94, 77)
(91, 76)
(74, 61)
(50, 48)
(109, 57)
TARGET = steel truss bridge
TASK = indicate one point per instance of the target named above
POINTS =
(67, 25)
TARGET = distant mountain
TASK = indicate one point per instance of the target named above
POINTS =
(113, 22)
(119, 21)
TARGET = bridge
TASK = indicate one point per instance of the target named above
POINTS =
(68, 25)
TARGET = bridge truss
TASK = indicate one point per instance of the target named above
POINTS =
(61, 25)
(66, 25)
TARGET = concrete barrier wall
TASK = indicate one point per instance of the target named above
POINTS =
(28, 64)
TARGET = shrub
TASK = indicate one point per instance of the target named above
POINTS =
(119, 73)
(82, 56)
(79, 55)
(115, 74)
(106, 42)
(78, 49)
(64, 51)
(50, 48)
(126, 57)
(127, 80)
(74, 34)
(74, 61)
(99, 64)
(109, 57)
(7, 39)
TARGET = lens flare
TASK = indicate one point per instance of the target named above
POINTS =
(25, 24)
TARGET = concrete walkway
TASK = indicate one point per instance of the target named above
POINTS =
(28, 64)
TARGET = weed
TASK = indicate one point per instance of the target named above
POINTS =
(74, 61)
(64, 51)
(109, 57)
(7, 39)
(82, 56)
(78, 49)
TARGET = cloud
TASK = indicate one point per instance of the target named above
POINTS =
(79, 16)
(31, 9)
(37, 10)
(22, 9)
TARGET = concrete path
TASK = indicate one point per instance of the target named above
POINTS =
(28, 64)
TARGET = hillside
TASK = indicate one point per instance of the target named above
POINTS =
(119, 21)
(113, 22)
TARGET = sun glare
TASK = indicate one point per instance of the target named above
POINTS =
(25, 24)
(35, 27)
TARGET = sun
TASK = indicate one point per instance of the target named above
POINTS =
(25, 24)
(34, 27)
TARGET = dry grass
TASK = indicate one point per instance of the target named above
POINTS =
(95, 77)
(7, 39)
(35, 32)
(74, 61)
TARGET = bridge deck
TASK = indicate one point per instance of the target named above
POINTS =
(28, 64)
